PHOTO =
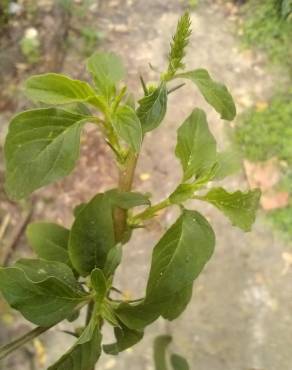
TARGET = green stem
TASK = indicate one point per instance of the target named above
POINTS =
(150, 212)
(19, 342)
(126, 177)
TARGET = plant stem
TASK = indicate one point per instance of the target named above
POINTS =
(126, 177)
(17, 343)
(150, 212)
(89, 312)
(175, 88)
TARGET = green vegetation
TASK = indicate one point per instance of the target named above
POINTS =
(268, 26)
(4, 12)
(266, 134)
(75, 267)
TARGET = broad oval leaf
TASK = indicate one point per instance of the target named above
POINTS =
(125, 337)
(152, 108)
(177, 260)
(49, 241)
(178, 303)
(214, 92)
(42, 146)
(239, 207)
(127, 125)
(138, 316)
(179, 256)
(45, 292)
(53, 88)
(196, 146)
(85, 352)
(178, 362)
(107, 70)
(92, 235)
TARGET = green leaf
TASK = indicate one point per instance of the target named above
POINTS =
(99, 284)
(107, 70)
(42, 146)
(177, 260)
(228, 164)
(125, 337)
(152, 108)
(127, 200)
(214, 92)
(138, 316)
(239, 207)
(49, 241)
(178, 303)
(113, 260)
(179, 257)
(127, 125)
(85, 352)
(186, 191)
(92, 235)
(160, 346)
(52, 88)
(196, 146)
(45, 292)
(178, 362)
(108, 314)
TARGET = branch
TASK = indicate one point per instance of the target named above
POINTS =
(17, 343)
(175, 88)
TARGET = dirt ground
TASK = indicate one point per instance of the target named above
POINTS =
(240, 315)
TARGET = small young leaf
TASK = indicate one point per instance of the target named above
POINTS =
(92, 235)
(53, 88)
(107, 70)
(127, 200)
(152, 108)
(45, 292)
(85, 352)
(49, 241)
(98, 283)
(196, 146)
(42, 146)
(239, 207)
(179, 256)
(160, 346)
(178, 362)
(186, 191)
(108, 314)
(214, 92)
(127, 125)
(178, 303)
(125, 337)
(113, 260)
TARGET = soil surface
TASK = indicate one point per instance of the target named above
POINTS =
(240, 315)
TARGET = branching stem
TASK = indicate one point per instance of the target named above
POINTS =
(150, 212)
(19, 342)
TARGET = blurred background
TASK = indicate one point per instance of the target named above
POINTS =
(240, 317)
